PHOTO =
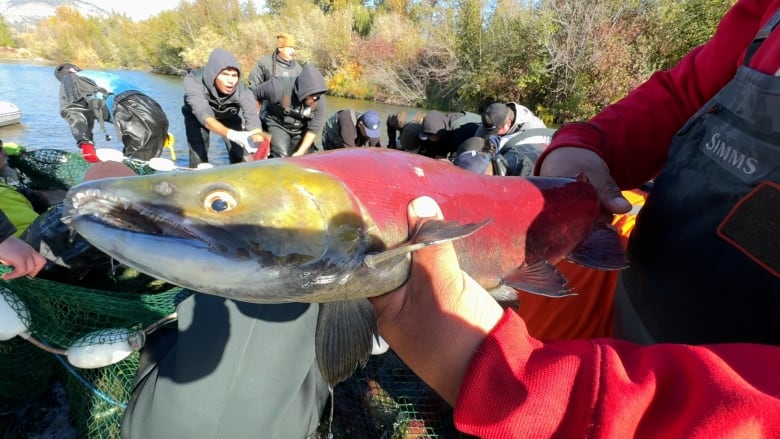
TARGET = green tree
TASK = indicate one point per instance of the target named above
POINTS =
(6, 36)
(691, 22)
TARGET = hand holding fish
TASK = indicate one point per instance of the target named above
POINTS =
(571, 161)
(24, 259)
(439, 317)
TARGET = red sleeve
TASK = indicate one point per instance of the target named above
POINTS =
(642, 124)
(517, 386)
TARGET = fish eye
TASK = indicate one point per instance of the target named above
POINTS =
(219, 201)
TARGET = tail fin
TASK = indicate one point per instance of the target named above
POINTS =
(602, 249)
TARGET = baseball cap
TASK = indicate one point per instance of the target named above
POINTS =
(371, 122)
(493, 117)
(473, 161)
(433, 123)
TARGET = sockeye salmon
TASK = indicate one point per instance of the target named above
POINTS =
(331, 228)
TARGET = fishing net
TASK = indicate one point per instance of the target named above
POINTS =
(60, 315)
(383, 400)
(386, 399)
(51, 169)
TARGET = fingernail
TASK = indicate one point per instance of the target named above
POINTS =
(425, 207)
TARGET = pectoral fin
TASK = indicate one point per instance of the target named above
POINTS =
(344, 339)
(428, 233)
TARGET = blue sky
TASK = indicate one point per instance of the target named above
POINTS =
(139, 10)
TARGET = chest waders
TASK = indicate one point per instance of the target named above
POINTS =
(704, 254)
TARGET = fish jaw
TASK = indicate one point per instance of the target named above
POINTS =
(289, 233)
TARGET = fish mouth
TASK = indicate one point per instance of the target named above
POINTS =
(109, 210)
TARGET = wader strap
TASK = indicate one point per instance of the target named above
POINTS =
(761, 36)
(287, 93)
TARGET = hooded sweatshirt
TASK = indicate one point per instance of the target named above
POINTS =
(202, 99)
(309, 82)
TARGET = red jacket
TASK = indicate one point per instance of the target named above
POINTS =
(519, 387)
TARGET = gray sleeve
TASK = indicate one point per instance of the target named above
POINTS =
(257, 76)
(196, 97)
(318, 116)
(248, 108)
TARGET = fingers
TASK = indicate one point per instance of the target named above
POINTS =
(23, 258)
(29, 266)
(571, 161)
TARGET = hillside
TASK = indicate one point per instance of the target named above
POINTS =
(23, 15)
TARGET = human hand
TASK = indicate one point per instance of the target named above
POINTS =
(571, 161)
(88, 152)
(440, 316)
(244, 139)
(24, 259)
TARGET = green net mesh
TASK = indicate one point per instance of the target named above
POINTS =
(50, 169)
(387, 400)
(383, 400)
(61, 314)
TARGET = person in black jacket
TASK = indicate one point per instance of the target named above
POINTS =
(350, 128)
(90, 96)
(442, 133)
(216, 101)
(296, 111)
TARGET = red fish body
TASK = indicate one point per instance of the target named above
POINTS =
(532, 219)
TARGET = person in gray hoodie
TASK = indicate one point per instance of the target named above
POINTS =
(216, 101)
(296, 111)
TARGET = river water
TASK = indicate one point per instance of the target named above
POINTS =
(34, 89)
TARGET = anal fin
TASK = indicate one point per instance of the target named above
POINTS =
(541, 278)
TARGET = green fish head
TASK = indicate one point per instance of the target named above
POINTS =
(268, 231)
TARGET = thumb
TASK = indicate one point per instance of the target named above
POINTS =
(611, 197)
(433, 258)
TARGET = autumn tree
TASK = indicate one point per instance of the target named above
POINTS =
(6, 36)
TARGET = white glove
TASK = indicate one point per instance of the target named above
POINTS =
(243, 138)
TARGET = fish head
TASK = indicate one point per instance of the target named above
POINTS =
(262, 231)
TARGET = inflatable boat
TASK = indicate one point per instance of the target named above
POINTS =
(9, 114)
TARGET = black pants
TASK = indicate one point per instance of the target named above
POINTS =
(198, 138)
